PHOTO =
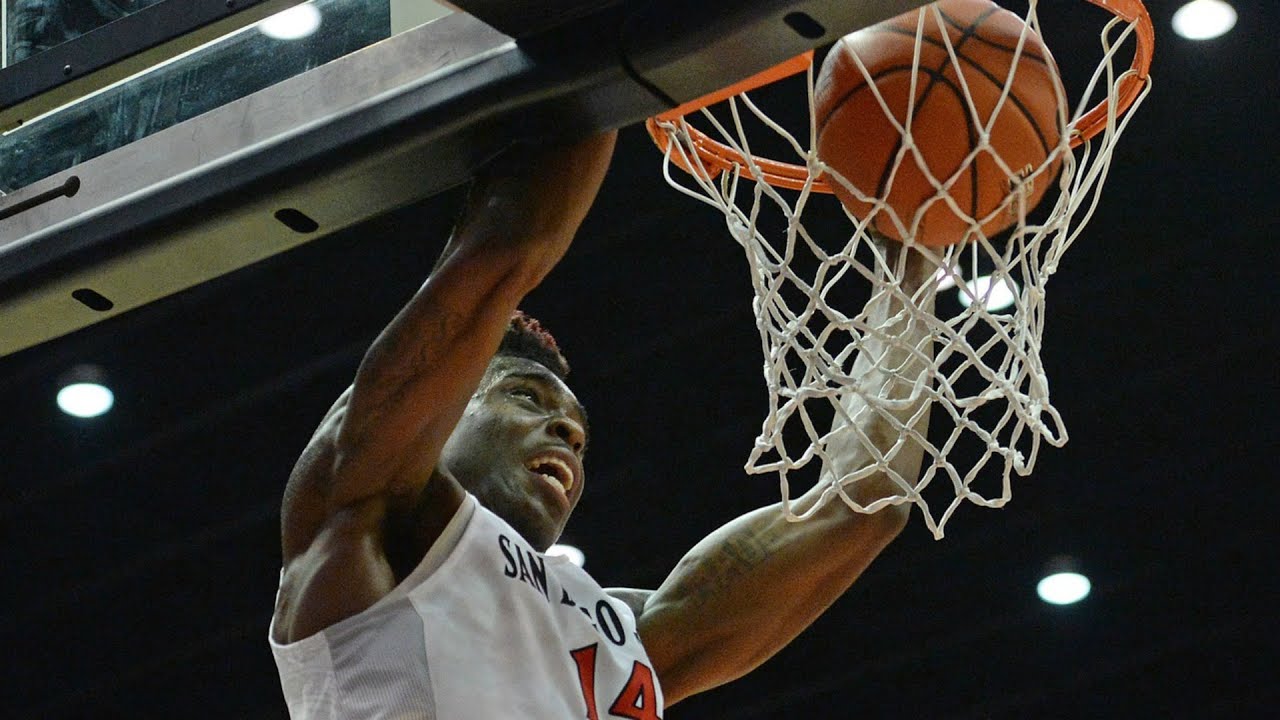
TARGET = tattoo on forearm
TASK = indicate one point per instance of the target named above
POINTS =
(736, 557)
(435, 336)
(412, 345)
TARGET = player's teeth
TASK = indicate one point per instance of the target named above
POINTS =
(558, 463)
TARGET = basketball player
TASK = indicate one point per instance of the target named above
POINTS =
(414, 584)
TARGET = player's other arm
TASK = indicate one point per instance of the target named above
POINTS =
(750, 587)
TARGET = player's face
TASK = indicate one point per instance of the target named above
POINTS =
(519, 446)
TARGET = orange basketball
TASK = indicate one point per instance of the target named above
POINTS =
(857, 139)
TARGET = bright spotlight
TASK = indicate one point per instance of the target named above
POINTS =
(576, 556)
(85, 399)
(997, 296)
(1204, 19)
(1063, 588)
(295, 23)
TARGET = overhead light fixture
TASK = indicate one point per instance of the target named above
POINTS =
(575, 556)
(83, 393)
(1062, 583)
(1204, 19)
(295, 23)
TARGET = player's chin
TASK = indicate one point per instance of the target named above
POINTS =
(539, 517)
(551, 517)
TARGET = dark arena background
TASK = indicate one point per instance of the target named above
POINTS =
(141, 547)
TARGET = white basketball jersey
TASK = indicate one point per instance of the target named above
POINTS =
(484, 628)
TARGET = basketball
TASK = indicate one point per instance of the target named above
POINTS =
(938, 188)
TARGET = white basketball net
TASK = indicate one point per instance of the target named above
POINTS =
(985, 386)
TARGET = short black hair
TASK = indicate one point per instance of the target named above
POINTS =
(526, 338)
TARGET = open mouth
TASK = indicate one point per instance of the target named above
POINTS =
(552, 469)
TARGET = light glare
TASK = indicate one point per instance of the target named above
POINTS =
(1204, 19)
(85, 400)
(1064, 588)
(575, 556)
(995, 297)
(295, 23)
(944, 279)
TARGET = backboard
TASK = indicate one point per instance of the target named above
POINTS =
(185, 139)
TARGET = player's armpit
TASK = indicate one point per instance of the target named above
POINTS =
(634, 598)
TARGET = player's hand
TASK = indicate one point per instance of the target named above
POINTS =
(918, 267)
(536, 190)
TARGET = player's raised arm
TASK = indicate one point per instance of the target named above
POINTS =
(417, 377)
(750, 587)
(376, 451)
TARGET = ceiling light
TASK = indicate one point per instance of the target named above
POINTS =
(1204, 19)
(995, 295)
(83, 393)
(1063, 583)
(1063, 588)
(576, 556)
(295, 23)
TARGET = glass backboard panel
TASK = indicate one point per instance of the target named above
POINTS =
(242, 62)
(33, 26)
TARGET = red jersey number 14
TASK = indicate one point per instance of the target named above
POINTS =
(638, 699)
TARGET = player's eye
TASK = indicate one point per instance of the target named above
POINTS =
(526, 393)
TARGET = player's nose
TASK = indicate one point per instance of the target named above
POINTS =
(568, 430)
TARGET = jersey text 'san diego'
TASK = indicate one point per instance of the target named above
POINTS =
(484, 628)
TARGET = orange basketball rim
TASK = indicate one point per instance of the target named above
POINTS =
(717, 157)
